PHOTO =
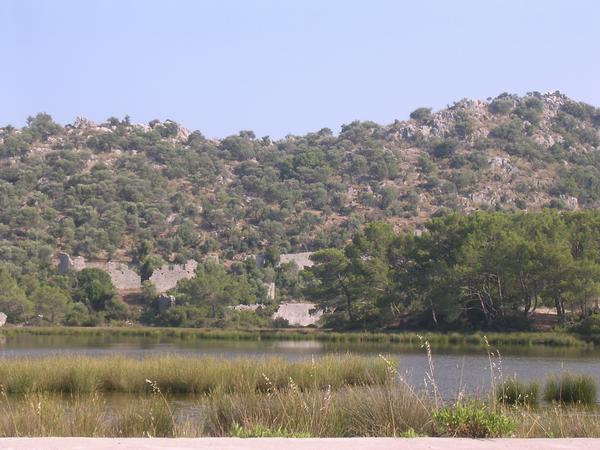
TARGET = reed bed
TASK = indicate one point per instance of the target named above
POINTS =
(571, 388)
(336, 396)
(439, 340)
(350, 411)
(181, 375)
(515, 392)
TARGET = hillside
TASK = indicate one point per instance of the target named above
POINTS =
(121, 191)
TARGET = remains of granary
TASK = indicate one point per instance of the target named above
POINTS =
(125, 279)
(164, 302)
(247, 307)
(122, 277)
(261, 260)
(302, 260)
(270, 290)
(298, 313)
(167, 276)
(212, 257)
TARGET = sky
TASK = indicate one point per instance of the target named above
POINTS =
(281, 67)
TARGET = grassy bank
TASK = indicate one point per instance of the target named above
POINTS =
(181, 375)
(439, 340)
(335, 396)
(384, 410)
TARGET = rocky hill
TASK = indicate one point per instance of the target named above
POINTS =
(157, 193)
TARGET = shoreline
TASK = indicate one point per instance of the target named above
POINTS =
(478, 339)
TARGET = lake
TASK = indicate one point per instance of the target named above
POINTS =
(455, 369)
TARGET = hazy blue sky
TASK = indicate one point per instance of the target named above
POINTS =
(280, 67)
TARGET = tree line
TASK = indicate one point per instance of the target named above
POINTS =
(477, 271)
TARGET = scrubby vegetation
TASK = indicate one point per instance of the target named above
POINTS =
(156, 193)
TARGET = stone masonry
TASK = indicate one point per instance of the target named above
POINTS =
(167, 276)
(302, 260)
(122, 277)
(125, 279)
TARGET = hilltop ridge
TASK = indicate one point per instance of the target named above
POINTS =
(116, 190)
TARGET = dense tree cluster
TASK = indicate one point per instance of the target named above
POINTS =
(484, 270)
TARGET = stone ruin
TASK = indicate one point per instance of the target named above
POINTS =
(298, 313)
(302, 260)
(125, 279)
(122, 277)
(167, 276)
(270, 290)
(164, 302)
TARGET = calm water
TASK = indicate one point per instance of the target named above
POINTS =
(454, 369)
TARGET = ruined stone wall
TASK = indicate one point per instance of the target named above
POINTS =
(298, 313)
(125, 279)
(122, 277)
(167, 276)
(302, 260)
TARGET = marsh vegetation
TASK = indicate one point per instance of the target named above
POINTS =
(332, 396)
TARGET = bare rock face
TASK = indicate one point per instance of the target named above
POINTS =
(570, 202)
(182, 134)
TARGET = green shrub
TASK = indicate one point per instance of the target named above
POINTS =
(421, 114)
(444, 148)
(260, 431)
(588, 327)
(474, 420)
(502, 104)
(571, 388)
(513, 392)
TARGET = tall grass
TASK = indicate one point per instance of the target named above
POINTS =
(89, 415)
(439, 340)
(349, 411)
(515, 392)
(177, 374)
(571, 388)
(335, 396)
